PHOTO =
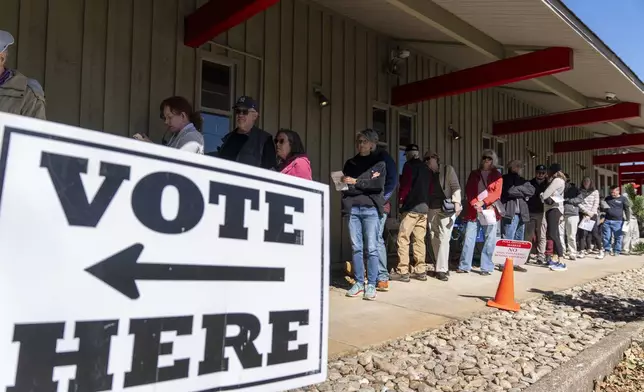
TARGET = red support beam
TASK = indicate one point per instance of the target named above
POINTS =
(636, 178)
(631, 169)
(625, 140)
(573, 118)
(217, 16)
(618, 158)
(514, 69)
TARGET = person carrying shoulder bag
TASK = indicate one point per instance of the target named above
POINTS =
(444, 207)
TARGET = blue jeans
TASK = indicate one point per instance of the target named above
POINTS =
(513, 229)
(467, 253)
(383, 272)
(364, 226)
(613, 228)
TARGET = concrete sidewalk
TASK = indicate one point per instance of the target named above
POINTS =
(415, 306)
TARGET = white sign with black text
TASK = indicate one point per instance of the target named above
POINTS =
(128, 266)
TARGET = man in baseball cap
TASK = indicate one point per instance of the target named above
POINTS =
(537, 225)
(18, 94)
(247, 143)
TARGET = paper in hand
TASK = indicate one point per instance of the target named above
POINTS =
(337, 180)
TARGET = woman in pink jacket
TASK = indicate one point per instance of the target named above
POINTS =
(291, 154)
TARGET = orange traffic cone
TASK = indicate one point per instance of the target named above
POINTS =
(505, 293)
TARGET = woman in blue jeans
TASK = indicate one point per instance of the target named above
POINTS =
(483, 190)
(363, 204)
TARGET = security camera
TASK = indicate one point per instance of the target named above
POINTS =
(611, 96)
(403, 54)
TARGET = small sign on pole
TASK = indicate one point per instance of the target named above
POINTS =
(128, 266)
(518, 251)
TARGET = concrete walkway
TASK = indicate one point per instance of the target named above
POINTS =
(415, 306)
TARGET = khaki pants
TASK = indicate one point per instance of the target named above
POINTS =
(440, 227)
(537, 225)
(416, 224)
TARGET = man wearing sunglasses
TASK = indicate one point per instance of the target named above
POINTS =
(247, 143)
(537, 225)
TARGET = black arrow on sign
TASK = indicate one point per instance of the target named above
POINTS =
(121, 271)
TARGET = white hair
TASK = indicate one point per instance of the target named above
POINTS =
(488, 152)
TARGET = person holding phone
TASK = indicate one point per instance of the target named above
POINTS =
(183, 123)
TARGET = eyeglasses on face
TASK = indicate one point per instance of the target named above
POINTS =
(362, 141)
(486, 158)
(243, 112)
(281, 141)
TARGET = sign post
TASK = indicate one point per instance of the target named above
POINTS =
(518, 251)
(127, 266)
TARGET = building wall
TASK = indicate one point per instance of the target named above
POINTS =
(107, 64)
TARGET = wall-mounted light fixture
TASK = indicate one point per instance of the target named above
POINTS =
(531, 153)
(582, 167)
(453, 132)
(397, 56)
(322, 100)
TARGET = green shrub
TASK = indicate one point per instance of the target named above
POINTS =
(637, 202)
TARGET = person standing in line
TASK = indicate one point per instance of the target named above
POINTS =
(631, 231)
(537, 226)
(617, 211)
(182, 122)
(553, 199)
(444, 207)
(292, 155)
(570, 224)
(483, 192)
(248, 144)
(391, 181)
(516, 191)
(414, 200)
(18, 94)
(363, 203)
(588, 210)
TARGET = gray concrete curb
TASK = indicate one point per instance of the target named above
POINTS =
(596, 362)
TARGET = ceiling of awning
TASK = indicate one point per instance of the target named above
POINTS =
(518, 25)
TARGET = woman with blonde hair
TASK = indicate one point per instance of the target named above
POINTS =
(483, 192)
(553, 200)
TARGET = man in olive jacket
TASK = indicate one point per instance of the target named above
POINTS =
(18, 94)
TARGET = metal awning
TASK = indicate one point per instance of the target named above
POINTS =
(467, 33)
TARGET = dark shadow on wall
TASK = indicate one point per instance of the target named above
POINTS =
(598, 305)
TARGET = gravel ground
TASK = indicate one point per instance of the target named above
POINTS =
(628, 376)
(495, 351)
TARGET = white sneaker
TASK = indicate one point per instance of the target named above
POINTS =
(601, 255)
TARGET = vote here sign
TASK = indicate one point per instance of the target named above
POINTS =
(127, 266)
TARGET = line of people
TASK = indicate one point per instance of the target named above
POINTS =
(246, 144)
(548, 209)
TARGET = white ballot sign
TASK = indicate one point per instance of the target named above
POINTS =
(518, 251)
(128, 266)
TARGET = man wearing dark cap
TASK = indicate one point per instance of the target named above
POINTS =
(247, 143)
(18, 94)
(537, 225)
(414, 206)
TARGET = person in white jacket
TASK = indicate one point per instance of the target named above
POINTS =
(631, 231)
(588, 211)
(441, 216)
(553, 198)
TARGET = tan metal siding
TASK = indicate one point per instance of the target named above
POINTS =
(107, 64)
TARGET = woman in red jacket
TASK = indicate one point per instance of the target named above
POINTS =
(483, 191)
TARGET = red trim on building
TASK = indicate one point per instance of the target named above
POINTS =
(217, 16)
(631, 169)
(514, 69)
(618, 111)
(618, 158)
(626, 140)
